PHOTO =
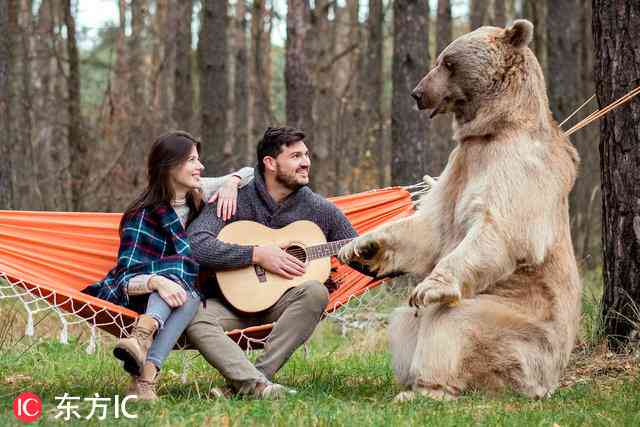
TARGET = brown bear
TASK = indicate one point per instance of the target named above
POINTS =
(499, 301)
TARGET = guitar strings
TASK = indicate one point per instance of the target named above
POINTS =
(302, 253)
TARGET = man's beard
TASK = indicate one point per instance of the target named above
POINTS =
(289, 180)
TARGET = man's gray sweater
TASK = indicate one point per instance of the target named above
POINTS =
(256, 204)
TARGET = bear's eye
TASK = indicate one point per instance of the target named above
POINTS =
(448, 65)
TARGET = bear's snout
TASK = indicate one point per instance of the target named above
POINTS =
(418, 94)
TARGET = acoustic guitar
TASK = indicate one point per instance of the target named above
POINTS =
(253, 289)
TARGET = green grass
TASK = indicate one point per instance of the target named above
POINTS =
(336, 387)
(341, 379)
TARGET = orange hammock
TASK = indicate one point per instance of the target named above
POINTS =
(51, 256)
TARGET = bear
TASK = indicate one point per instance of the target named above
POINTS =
(498, 302)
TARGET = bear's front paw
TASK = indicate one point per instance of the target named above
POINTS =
(435, 291)
(365, 254)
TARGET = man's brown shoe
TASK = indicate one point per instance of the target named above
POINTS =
(272, 391)
(133, 350)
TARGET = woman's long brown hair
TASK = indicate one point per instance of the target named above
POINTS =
(168, 151)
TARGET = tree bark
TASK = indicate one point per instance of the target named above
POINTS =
(260, 77)
(478, 13)
(348, 69)
(587, 221)
(410, 58)
(213, 85)
(241, 88)
(183, 84)
(323, 176)
(441, 143)
(78, 148)
(299, 99)
(535, 11)
(443, 25)
(499, 13)
(562, 64)
(52, 148)
(162, 66)
(375, 146)
(616, 34)
(6, 100)
(562, 59)
(138, 134)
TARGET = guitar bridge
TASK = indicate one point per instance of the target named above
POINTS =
(261, 273)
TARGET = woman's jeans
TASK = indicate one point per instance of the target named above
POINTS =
(173, 322)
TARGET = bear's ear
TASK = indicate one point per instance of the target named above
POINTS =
(519, 34)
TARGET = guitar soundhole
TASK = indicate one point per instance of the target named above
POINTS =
(298, 252)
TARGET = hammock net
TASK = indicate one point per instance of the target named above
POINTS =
(46, 258)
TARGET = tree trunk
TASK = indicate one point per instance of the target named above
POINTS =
(562, 51)
(410, 59)
(162, 66)
(6, 100)
(299, 99)
(78, 148)
(535, 11)
(138, 130)
(323, 176)
(562, 65)
(478, 13)
(118, 120)
(51, 154)
(260, 77)
(26, 190)
(588, 249)
(499, 13)
(213, 85)
(241, 88)
(616, 33)
(348, 70)
(441, 143)
(183, 85)
(375, 144)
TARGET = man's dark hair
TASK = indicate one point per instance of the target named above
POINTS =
(273, 140)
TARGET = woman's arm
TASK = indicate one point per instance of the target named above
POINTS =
(211, 186)
(227, 193)
(142, 284)
(139, 285)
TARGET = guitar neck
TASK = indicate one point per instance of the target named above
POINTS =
(325, 249)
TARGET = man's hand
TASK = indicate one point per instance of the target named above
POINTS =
(227, 197)
(171, 292)
(277, 261)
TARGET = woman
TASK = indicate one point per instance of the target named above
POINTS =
(156, 275)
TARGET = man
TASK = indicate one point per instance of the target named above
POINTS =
(276, 197)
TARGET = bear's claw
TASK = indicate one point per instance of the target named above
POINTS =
(432, 291)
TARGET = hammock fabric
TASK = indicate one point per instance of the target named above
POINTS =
(53, 255)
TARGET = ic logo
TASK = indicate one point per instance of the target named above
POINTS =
(27, 407)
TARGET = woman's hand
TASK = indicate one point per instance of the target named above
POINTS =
(171, 292)
(227, 197)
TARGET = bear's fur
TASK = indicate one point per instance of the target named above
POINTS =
(499, 303)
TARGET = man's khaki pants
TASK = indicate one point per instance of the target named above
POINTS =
(296, 315)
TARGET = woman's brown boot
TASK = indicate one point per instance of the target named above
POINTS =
(133, 350)
(146, 382)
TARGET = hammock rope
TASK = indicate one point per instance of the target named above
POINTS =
(597, 114)
(46, 258)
